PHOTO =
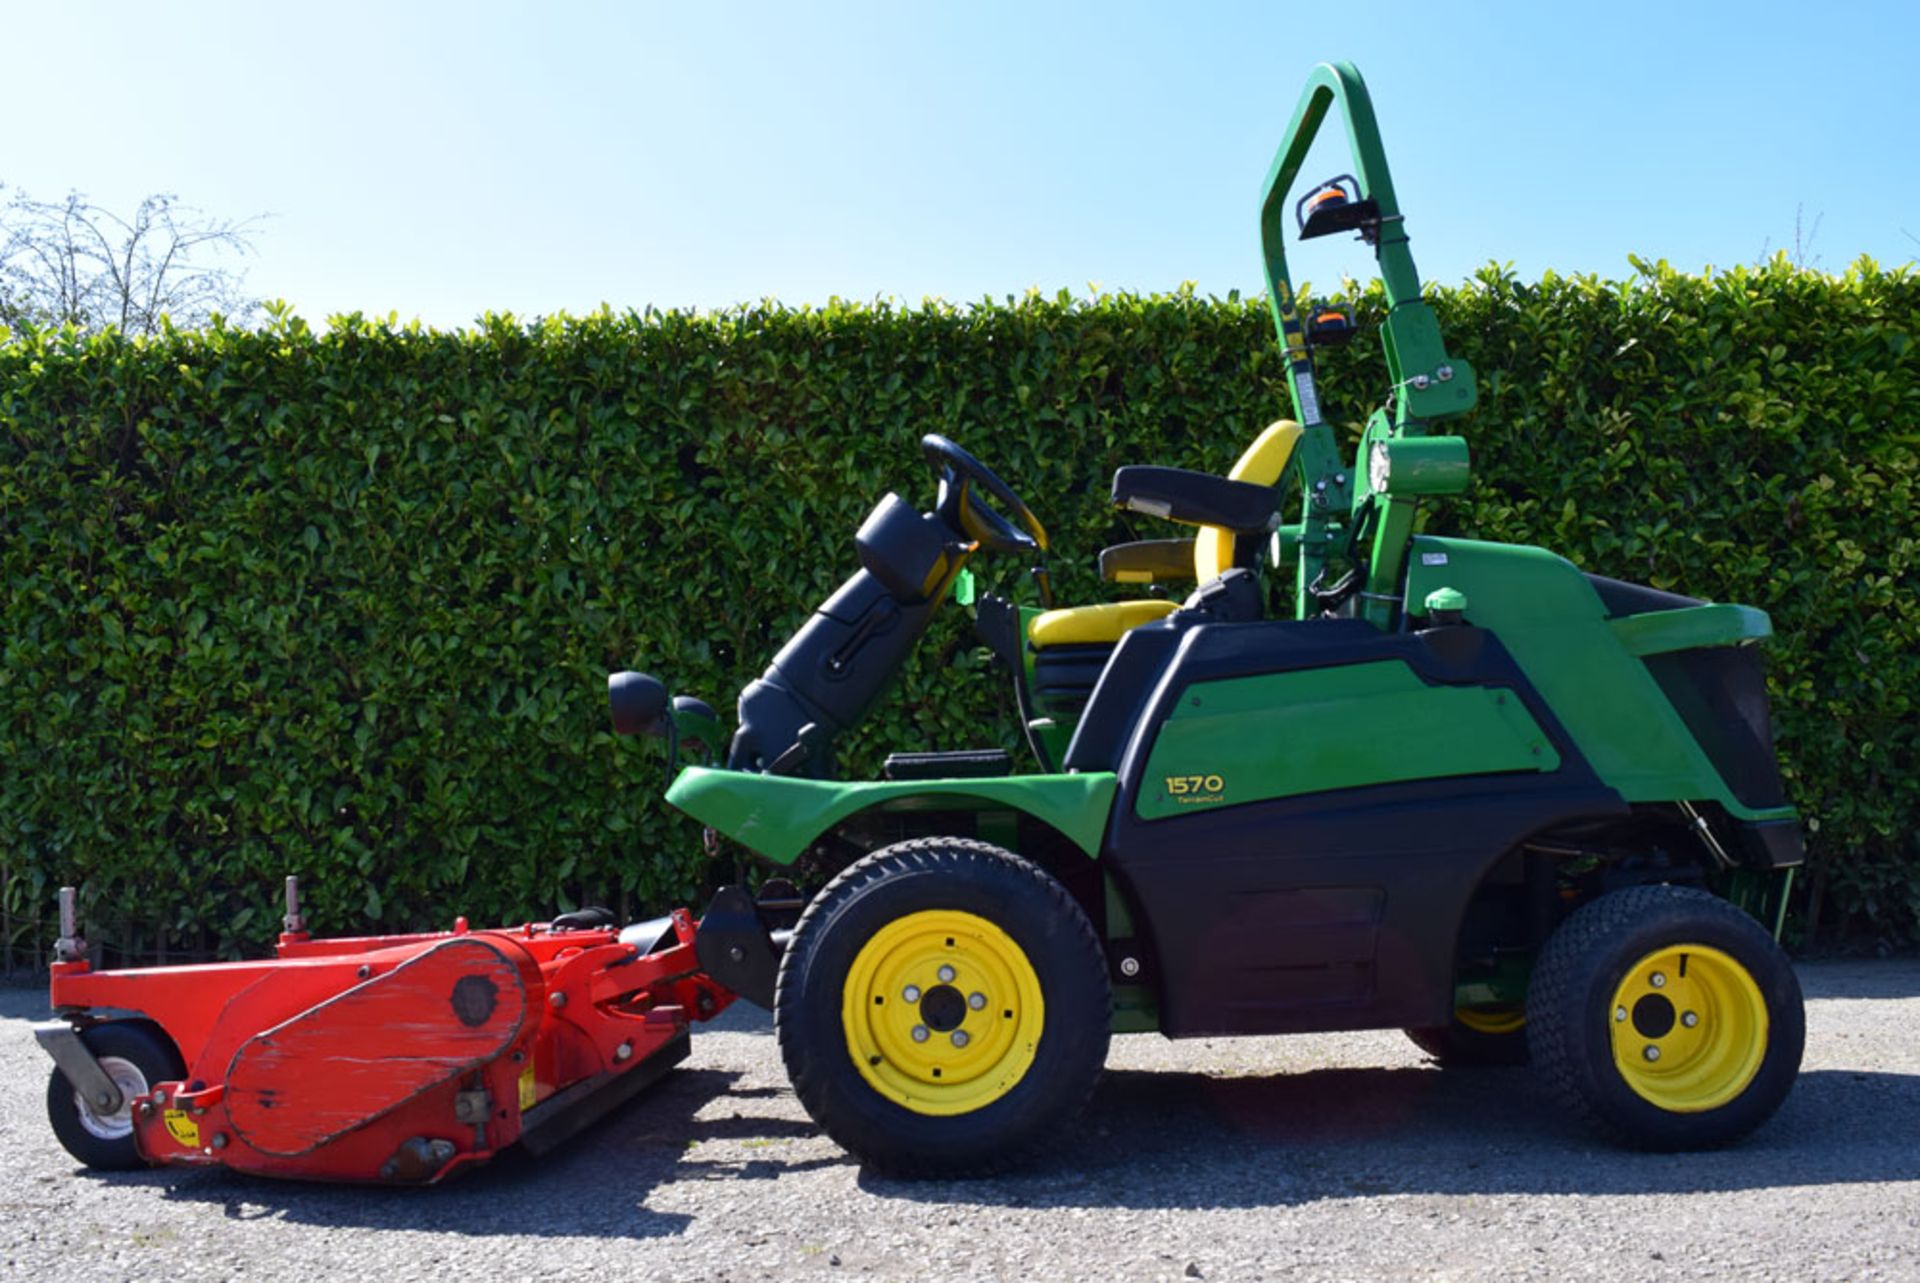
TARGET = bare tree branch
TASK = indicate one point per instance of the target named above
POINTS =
(74, 263)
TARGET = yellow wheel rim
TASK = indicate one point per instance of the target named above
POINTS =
(1492, 1020)
(942, 1012)
(1689, 1028)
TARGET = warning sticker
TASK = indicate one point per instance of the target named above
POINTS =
(529, 1096)
(1309, 399)
(181, 1127)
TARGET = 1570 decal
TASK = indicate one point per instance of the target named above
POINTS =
(1191, 790)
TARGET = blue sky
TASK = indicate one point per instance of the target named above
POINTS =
(442, 160)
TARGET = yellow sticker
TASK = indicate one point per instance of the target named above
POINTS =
(181, 1127)
(528, 1095)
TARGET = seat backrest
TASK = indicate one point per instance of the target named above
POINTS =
(1263, 464)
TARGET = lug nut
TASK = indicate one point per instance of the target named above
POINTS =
(978, 1001)
(911, 993)
(1658, 980)
(1689, 1019)
(960, 1038)
(921, 1033)
(1619, 1014)
(946, 975)
(1653, 1053)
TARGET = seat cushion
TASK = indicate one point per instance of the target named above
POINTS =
(1082, 625)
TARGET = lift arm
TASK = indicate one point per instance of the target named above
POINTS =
(1427, 383)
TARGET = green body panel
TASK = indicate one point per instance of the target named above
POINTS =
(1586, 667)
(1251, 739)
(778, 816)
(1712, 625)
(1413, 466)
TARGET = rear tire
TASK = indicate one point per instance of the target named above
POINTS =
(943, 1009)
(1666, 1019)
(137, 1056)
(1476, 1039)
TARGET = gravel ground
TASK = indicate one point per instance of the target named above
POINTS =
(1329, 1156)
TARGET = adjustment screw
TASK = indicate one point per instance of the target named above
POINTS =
(1653, 1053)
(960, 1038)
(1690, 1019)
(946, 975)
(1619, 1014)
(1658, 980)
(910, 994)
(921, 1033)
(978, 1001)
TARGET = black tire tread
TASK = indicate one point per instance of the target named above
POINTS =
(1559, 970)
(932, 855)
(139, 1041)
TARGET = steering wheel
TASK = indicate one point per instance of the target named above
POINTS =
(962, 477)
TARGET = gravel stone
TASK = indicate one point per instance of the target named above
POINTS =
(1326, 1156)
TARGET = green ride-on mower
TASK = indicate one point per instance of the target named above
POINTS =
(1464, 790)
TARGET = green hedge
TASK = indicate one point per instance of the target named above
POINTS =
(342, 604)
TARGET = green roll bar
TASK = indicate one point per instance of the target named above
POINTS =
(1339, 502)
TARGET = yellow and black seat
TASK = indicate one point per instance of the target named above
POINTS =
(1214, 551)
(1070, 646)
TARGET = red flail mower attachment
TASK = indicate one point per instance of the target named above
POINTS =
(392, 1059)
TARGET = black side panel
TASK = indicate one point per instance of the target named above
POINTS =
(1337, 909)
(1123, 687)
(1622, 598)
(1720, 692)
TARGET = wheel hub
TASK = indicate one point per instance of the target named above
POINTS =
(1689, 1028)
(943, 1009)
(127, 1077)
(942, 1012)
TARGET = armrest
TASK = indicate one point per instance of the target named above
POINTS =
(1195, 498)
(1149, 561)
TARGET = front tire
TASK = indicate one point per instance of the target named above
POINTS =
(137, 1057)
(943, 1009)
(1666, 1019)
